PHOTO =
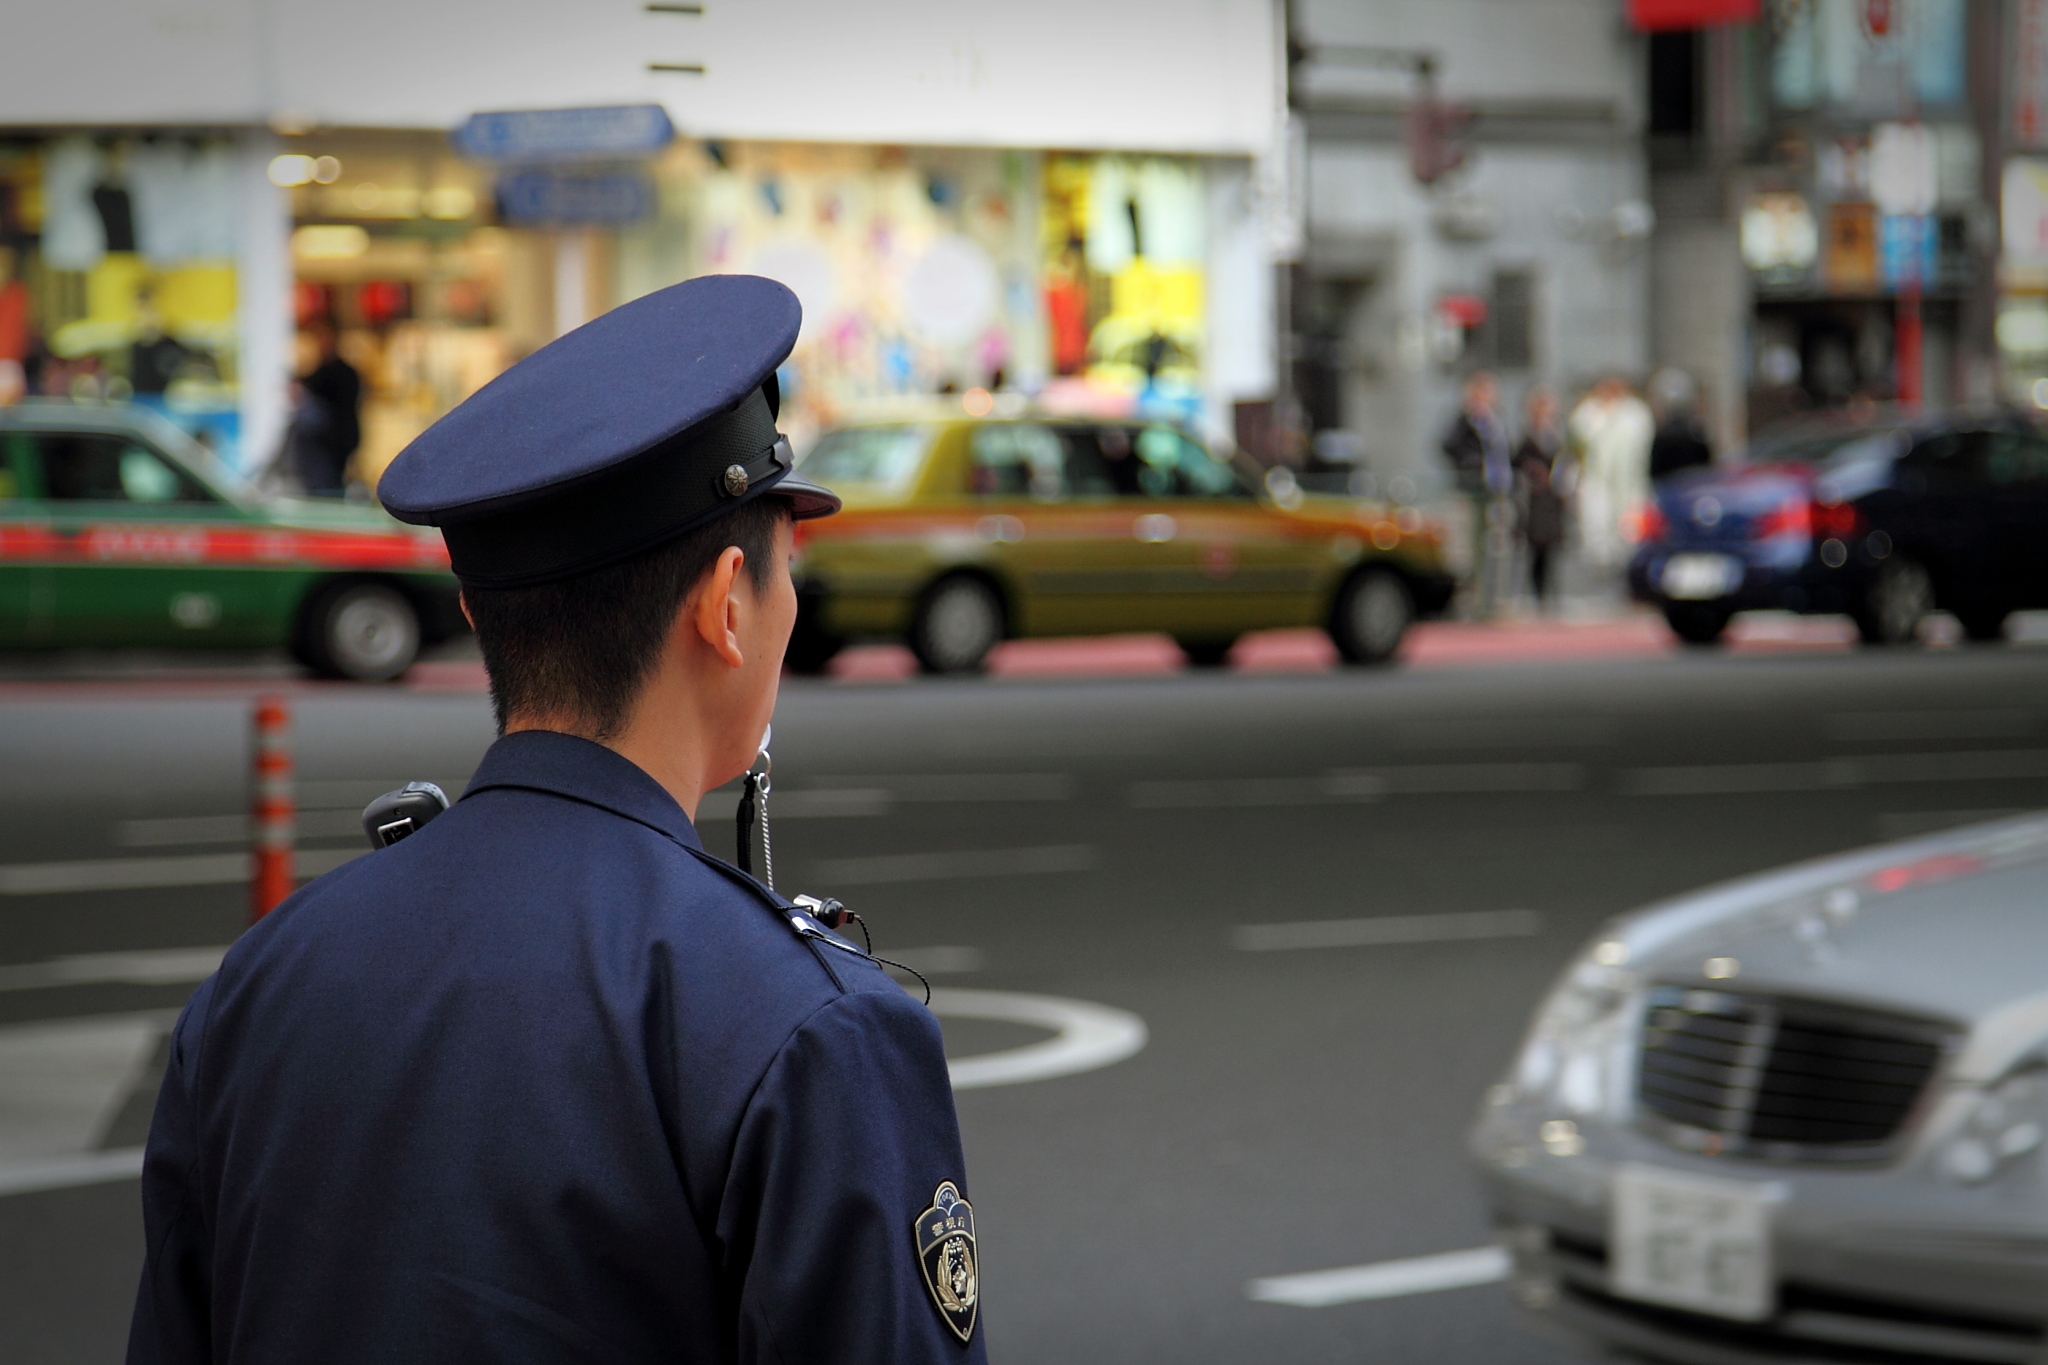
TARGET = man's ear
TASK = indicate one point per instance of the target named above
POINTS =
(713, 610)
(462, 600)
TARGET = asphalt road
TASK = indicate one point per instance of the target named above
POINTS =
(1293, 1108)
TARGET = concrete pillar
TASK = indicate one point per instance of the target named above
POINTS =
(263, 302)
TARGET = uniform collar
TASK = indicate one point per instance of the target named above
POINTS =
(544, 760)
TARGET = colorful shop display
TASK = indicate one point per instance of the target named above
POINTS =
(117, 277)
(1122, 252)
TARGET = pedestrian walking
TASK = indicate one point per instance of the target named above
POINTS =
(326, 415)
(1611, 429)
(547, 1081)
(1539, 498)
(1476, 446)
(1681, 439)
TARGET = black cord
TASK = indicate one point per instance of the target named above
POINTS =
(863, 932)
(913, 971)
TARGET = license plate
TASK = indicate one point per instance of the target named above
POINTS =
(1691, 1241)
(1698, 577)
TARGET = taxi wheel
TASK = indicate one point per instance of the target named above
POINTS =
(1899, 599)
(368, 632)
(1697, 623)
(1207, 653)
(1374, 611)
(958, 621)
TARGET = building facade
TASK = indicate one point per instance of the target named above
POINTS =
(965, 197)
(1532, 258)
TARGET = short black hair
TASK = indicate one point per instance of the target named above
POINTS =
(584, 646)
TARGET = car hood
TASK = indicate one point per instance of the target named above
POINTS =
(1951, 927)
(325, 514)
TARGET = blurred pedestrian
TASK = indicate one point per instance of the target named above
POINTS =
(1476, 445)
(1611, 429)
(1681, 439)
(326, 415)
(1538, 496)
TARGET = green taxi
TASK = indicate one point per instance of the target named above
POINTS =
(959, 533)
(116, 529)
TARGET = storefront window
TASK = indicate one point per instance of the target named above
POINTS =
(117, 276)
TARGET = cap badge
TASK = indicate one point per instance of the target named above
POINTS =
(945, 1248)
(735, 480)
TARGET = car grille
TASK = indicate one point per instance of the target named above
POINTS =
(1781, 1079)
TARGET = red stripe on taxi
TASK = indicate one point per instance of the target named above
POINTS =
(132, 543)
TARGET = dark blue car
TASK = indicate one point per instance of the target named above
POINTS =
(1884, 522)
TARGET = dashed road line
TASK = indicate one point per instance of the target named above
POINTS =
(963, 863)
(1358, 784)
(59, 1173)
(148, 967)
(1380, 930)
(1835, 774)
(138, 874)
(1385, 1279)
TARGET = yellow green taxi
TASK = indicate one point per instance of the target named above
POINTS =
(959, 533)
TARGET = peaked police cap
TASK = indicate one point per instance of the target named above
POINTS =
(635, 428)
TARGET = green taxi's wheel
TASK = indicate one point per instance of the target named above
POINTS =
(1374, 610)
(1982, 625)
(1207, 653)
(367, 632)
(957, 622)
(1899, 599)
(1697, 623)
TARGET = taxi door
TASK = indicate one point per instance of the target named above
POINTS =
(135, 560)
(1233, 564)
(1054, 528)
(24, 537)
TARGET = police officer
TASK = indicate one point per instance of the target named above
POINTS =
(547, 1081)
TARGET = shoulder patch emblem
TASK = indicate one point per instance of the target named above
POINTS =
(945, 1248)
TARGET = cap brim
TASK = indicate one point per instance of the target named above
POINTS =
(807, 500)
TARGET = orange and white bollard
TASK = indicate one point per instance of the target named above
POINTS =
(272, 819)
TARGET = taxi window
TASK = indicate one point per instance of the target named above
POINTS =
(1172, 466)
(1017, 460)
(104, 467)
(885, 457)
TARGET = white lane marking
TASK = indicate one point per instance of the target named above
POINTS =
(1836, 774)
(1384, 1279)
(932, 867)
(135, 874)
(151, 967)
(1359, 784)
(1089, 1036)
(1880, 726)
(1454, 927)
(60, 1173)
(172, 830)
(63, 1081)
(840, 803)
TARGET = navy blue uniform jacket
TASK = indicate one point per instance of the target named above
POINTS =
(545, 1082)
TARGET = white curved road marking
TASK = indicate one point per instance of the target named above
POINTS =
(1385, 1279)
(1088, 1036)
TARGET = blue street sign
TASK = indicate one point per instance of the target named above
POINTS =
(565, 134)
(540, 198)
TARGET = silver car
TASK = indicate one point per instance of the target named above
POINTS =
(1798, 1117)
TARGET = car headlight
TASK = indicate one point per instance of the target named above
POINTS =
(2006, 1123)
(1581, 1045)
